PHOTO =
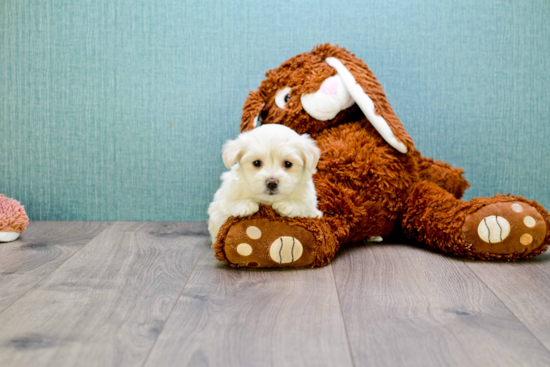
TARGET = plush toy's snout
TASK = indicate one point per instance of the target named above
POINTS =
(331, 98)
(330, 86)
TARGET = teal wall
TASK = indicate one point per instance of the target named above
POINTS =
(117, 110)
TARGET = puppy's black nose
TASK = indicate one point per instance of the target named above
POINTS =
(272, 183)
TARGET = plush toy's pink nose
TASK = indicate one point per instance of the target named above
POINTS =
(329, 86)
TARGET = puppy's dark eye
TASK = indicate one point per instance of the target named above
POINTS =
(287, 97)
(257, 163)
(288, 164)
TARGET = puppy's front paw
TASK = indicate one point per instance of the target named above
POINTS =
(309, 212)
(244, 208)
(286, 209)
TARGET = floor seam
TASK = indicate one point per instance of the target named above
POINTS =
(174, 306)
(56, 269)
(508, 308)
(342, 315)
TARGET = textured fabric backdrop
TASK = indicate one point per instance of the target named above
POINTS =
(117, 110)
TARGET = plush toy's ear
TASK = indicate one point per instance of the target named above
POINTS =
(311, 153)
(252, 111)
(366, 105)
(232, 152)
(368, 95)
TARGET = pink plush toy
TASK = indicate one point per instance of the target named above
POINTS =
(13, 219)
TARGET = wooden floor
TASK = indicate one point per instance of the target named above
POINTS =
(152, 294)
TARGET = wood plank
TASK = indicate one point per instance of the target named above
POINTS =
(254, 317)
(524, 287)
(41, 249)
(107, 304)
(409, 306)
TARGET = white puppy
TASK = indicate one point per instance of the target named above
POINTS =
(274, 167)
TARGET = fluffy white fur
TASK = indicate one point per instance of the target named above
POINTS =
(245, 186)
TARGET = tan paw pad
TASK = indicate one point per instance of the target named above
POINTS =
(529, 221)
(493, 229)
(244, 249)
(286, 250)
(517, 208)
(253, 232)
(526, 239)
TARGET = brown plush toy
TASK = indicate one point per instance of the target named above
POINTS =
(369, 179)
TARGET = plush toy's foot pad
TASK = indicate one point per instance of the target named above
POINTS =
(261, 243)
(9, 236)
(505, 228)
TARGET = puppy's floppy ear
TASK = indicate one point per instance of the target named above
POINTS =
(232, 152)
(311, 153)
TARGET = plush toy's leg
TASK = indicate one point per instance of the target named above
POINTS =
(443, 175)
(266, 240)
(13, 219)
(497, 228)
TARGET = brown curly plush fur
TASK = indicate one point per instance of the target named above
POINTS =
(364, 186)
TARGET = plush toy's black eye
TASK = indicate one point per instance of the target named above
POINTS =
(282, 97)
(262, 116)
(257, 163)
(288, 164)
